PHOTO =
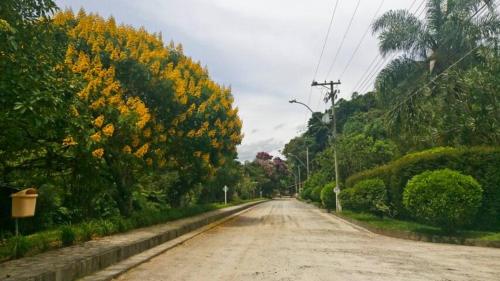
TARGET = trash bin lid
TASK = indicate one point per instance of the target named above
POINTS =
(28, 192)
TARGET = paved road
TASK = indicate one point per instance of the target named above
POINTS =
(289, 240)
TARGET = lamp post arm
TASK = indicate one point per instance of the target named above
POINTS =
(312, 112)
(300, 161)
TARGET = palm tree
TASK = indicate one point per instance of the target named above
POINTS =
(449, 35)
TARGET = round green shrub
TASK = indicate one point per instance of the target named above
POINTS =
(366, 196)
(316, 194)
(328, 196)
(444, 198)
(480, 162)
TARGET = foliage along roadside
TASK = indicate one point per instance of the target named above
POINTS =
(416, 231)
(67, 235)
(444, 198)
(479, 162)
(104, 119)
(423, 232)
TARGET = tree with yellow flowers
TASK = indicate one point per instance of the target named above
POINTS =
(147, 101)
(108, 118)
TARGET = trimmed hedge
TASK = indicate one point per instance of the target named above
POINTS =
(306, 193)
(482, 163)
(316, 193)
(366, 196)
(328, 196)
(444, 198)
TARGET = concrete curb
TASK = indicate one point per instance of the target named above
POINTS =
(407, 235)
(122, 267)
(77, 261)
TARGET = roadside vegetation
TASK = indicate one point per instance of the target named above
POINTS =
(421, 151)
(67, 235)
(115, 128)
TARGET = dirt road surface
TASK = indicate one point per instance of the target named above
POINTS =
(289, 240)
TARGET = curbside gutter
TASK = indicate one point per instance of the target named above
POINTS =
(407, 235)
(421, 236)
(78, 261)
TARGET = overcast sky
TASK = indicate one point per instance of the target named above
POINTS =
(267, 50)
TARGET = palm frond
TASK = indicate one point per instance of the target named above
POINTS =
(399, 30)
(399, 75)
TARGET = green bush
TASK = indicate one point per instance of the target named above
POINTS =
(18, 246)
(444, 198)
(328, 196)
(42, 241)
(366, 196)
(68, 235)
(316, 194)
(480, 162)
(306, 193)
(85, 231)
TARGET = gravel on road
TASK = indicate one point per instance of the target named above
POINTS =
(290, 240)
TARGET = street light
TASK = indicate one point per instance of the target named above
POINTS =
(333, 134)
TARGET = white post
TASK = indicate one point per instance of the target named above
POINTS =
(225, 194)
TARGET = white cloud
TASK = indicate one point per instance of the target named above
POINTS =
(265, 49)
(248, 151)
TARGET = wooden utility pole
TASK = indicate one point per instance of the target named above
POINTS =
(332, 96)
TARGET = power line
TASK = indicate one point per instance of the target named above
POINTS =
(366, 72)
(409, 97)
(323, 50)
(434, 79)
(363, 77)
(343, 39)
(326, 39)
(375, 71)
(369, 78)
(361, 40)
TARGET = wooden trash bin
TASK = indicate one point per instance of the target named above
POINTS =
(23, 203)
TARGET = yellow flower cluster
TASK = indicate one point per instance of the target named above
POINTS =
(127, 149)
(142, 151)
(99, 121)
(98, 103)
(98, 153)
(203, 109)
(108, 130)
(141, 110)
(96, 137)
(69, 141)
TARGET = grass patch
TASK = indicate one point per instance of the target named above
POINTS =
(78, 233)
(414, 227)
